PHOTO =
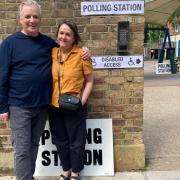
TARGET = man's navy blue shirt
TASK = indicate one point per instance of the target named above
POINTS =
(25, 71)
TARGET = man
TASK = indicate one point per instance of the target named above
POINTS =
(25, 86)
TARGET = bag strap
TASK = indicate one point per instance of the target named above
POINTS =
(58, 70)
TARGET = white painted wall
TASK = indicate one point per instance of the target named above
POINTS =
(176, 38)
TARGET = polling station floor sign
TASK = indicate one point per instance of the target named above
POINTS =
(98, 153)
(163, 68)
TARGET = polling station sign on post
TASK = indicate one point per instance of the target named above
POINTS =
(112, 7)
(163, 68)
(108, 62)
(98, 153)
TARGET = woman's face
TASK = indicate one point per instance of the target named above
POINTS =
(65, 37)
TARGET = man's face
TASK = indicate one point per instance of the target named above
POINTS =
(30, 20)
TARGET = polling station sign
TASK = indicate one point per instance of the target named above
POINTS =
(112, 7)
(98, 153)
(163, 68)
(109, 62)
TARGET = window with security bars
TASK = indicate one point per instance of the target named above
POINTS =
(123, 36)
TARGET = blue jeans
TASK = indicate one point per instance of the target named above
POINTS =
(27, 125)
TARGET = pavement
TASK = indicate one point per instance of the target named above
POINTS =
(148, 175)
(161, 120)
(161, 130)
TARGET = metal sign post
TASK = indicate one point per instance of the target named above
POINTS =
(162, 51)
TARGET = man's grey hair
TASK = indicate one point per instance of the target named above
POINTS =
(29, 3)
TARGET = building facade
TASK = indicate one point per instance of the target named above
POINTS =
(117, 93)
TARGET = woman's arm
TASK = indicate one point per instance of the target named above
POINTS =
(87, 88)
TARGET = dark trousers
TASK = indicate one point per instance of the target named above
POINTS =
(68, 129)
(27, 125)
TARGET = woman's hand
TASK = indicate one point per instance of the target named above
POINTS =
(4, 116)
(83, 101)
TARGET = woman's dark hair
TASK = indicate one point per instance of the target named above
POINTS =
(73, 27)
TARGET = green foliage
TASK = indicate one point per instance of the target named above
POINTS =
(146, 1)
(153, 33)
(173, 18)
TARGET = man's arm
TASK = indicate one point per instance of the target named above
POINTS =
(4, 79)
(86, 53)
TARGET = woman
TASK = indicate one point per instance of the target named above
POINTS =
(68, 128)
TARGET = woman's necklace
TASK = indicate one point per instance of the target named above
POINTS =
(63, 57)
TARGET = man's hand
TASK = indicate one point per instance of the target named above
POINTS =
(4, 116)
(86, 53)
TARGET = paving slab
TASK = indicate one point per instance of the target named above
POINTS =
(163, 175)
(142, 175)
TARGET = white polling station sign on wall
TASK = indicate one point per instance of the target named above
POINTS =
(98, 154)
(105, 62)
(112, 7)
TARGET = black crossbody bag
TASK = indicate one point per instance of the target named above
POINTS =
(66, 101)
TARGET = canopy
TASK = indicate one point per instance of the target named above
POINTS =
(158, 11)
